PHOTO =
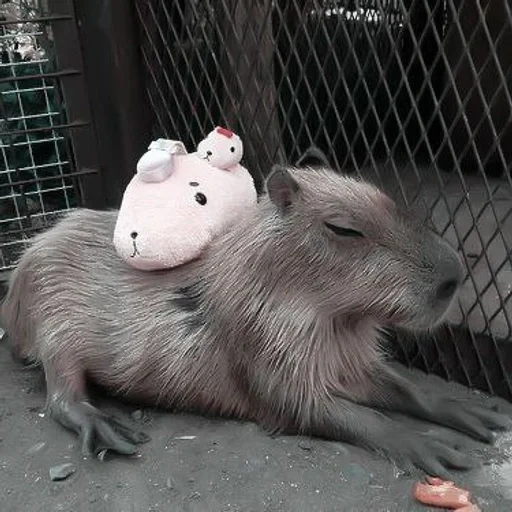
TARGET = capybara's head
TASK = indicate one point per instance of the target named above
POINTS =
(360, 255)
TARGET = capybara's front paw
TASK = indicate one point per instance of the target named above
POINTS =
(475, 420)
(432, 454)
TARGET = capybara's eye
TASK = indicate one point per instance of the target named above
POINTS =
(200, 198)
(232, 149)
(344, 231)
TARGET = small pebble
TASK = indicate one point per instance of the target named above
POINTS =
(2, 333)
(101, 455)
(195, 495)
(305, 445)
(61, 472)
(169, 484)
(137, 415)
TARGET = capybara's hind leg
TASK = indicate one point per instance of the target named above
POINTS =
(69, 406)
(20, 356)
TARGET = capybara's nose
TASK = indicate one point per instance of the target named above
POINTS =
(447, 289)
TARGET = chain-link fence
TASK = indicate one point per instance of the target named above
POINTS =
(414, 95)
(38, 173)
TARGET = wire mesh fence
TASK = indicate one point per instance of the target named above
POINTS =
(414, 95)
(36, 166)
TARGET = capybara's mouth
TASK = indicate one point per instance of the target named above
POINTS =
(397, 317)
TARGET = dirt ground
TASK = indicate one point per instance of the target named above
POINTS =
(195, 464)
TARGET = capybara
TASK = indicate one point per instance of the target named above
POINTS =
(279, 323)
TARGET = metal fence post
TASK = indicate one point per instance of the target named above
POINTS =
(251, 98)
(68, 54)
(108, 33)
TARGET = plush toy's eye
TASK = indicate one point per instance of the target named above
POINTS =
(338, 230)
(232, 149)
(194, 184)
(200, 198)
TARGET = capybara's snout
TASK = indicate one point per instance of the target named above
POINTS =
(438, 275)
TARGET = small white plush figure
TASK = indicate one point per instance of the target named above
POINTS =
(156, 164)
(221, 148)
(177, 202)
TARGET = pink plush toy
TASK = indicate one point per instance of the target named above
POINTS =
(177, 202)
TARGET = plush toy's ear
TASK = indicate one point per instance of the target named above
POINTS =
(154, 166)
(282, 188)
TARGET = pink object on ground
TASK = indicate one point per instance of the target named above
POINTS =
(177, 203)
(441, 493)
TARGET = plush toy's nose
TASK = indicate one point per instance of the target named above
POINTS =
(209, 153)
(134, 234)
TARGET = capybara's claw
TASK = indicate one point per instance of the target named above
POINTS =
(97, 431)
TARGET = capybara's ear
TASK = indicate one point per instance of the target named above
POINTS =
(313, 157)
(282, 188)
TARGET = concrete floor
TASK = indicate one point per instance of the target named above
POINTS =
(194, 464)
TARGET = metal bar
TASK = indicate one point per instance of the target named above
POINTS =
(64, 126)
(31, 229)
(118, 103)
(76, 96)
(38, 19)
(84, 172)
(56, 74)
